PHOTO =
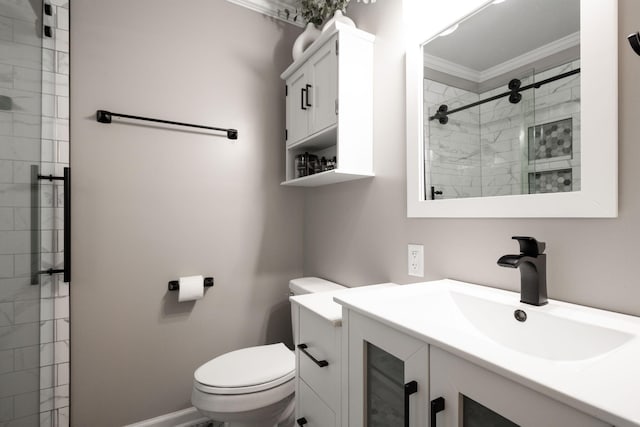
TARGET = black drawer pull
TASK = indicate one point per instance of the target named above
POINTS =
(321, 363)
(306, 95)
(301, 421)
(437, 405)
(409, 388)
(302, 93)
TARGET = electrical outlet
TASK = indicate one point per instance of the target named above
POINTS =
(416, 260)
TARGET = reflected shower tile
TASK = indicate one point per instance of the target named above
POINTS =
(46, 399)
(6, 313)
(48, 105)
(61, 307)
(26, 33)
(63, 417)
(61, 396)
(62, 40)
(22, 172)
(6, 361)
(26, 125)
(47, 331)
(27, 357)
(6, 76)
(46, 354)
(6, 409)
(26, 311)
(26, 404)
(28, 79)
(46, 309)
(62, 84)
(17, 289)
(47, 418)
(6, 28)
(14, 242)
(6, 219)
(48, 60)
(19, 382)
(62, 18)
(63, 108)
(6, 126)
(62, 377)
(62, 329)
(24, 149)
(47, 376)
(62, 134)
(62, 65)
(61, 354)
(20, 55)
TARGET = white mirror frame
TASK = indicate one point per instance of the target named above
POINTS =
(598, 197)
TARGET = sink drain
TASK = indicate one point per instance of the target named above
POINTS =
(520, 315)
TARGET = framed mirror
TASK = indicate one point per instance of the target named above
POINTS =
(512, 108)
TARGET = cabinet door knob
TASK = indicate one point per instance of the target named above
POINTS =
(320, 363)
(302, 93)
(437, 405)
(409, 388)
(301, 421)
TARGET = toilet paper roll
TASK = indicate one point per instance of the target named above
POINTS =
(191, 288)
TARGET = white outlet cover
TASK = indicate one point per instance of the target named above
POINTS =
(415, 259)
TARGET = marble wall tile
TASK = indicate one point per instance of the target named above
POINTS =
(6, 28)
(23, 265)
(20, 55)
(62, 377)
(26, 311)
(23, 149)
(61, 308)
(6, 126)
(47, 419)
(61, 354)
(62, 63)
(26, 358)
(27, 125)
(6, 218)
(17, 289)
(47, 351)
(19, 382)
(63, 108)
(6, 409)
(47, 376)
(6, 361)
(6, 75)
(61, 396)
(62, 18)
(26, 404)
(6, 313)
(18, 336)
(48, 60)
(12, 242)
(46, 399)
(62, 416)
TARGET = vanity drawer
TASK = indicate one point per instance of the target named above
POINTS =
(312, 408)
(323, 343)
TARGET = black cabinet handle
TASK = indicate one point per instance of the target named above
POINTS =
(301, 421)
(302, 93)
(320, 363)
(306, 90)
(67, 225)
(437, 405)
(409, 388)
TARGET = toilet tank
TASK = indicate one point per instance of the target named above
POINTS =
(308, 285)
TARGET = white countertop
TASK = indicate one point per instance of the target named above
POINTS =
(322, 303)
(606, 386)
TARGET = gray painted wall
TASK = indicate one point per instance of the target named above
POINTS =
(357, 233)
(151, 204)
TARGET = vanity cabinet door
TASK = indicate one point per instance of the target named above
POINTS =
(476, 397)
(387, 375)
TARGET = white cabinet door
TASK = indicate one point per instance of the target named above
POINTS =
(387, 375)
(297, 109)
(323, 90)
(474, 396)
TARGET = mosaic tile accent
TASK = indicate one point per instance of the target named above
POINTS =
(551, 140)
(554, 181)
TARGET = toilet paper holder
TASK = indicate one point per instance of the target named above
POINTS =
(174, 285)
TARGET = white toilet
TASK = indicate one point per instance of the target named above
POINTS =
(253, 387)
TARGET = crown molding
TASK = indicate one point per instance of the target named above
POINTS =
(270, 8)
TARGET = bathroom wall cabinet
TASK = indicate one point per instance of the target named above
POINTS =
(329, 108)
(395, 379)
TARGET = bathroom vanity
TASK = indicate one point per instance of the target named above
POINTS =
(448, 353)
(320, 376)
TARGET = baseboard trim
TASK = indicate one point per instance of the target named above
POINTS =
(185, 418)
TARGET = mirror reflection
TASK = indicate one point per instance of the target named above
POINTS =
(502, 102)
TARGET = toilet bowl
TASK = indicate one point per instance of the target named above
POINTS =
(253, 387)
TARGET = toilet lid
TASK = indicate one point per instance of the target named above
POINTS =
(247, 370)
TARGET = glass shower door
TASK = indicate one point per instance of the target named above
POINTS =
(30, 214)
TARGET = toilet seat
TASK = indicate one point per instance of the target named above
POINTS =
(248, 370)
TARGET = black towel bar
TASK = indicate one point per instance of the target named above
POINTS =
(104, 116)
(174, 285)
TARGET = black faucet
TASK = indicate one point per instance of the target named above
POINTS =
(533, 269)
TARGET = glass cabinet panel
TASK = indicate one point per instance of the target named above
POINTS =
(385, 388)
(476, 415)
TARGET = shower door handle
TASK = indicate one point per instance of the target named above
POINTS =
(67, 225)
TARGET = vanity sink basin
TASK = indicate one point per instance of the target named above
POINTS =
(548, 332)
